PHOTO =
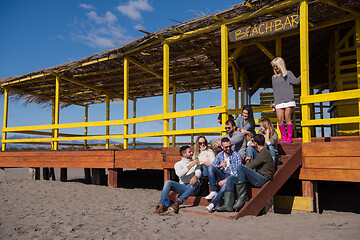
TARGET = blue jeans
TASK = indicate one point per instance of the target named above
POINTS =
(253, 177)
(251, 152)
(204, 170)
(185, 190)
(245, 173)
(215, 175)
(220, 195)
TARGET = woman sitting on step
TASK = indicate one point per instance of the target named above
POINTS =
(271, 141)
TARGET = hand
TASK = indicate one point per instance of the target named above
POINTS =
(248, 159)
(222, 182)
(193, 180)
(244, 131)
(215, 145)
(223, 164)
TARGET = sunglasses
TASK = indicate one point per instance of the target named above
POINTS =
(227, 128)
(227, 147)
(202, 143)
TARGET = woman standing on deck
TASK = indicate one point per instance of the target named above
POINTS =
(284, 100)
(245, 122)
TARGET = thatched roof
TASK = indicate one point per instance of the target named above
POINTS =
(195, 62)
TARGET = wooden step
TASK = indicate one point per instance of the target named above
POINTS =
(259, 197)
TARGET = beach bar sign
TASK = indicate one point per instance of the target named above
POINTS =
(274, 26)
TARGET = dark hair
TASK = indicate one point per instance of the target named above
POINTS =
(197, 145)
(183, 149)
(250, 115)
(259, 139)
(224, 140)
(230, 121)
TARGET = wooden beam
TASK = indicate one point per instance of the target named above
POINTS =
(97, 89)
(265, 51)
(342, 7)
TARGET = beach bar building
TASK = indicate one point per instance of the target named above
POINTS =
(231, 51)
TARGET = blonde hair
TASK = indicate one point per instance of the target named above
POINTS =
(280, 63)
(197, 145)
(267, 124)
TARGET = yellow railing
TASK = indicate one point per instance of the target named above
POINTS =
(68, 137)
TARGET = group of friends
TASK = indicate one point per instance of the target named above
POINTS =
(239, 158)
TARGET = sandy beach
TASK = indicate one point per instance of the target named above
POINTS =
(74, 210)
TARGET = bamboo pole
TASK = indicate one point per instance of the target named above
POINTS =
(304, 63)
(224, 74)
(126, 101)
(166, 81)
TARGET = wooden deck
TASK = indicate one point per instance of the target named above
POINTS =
(328, 159)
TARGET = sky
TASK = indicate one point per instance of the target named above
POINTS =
(41, 33)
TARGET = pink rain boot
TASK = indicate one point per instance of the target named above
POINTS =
(290, 133)
(283, 134)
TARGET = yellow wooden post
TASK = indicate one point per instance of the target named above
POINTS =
(52, 122)
(166, 81)
(126, 101)
(278, 54)
(174, 119)
(304, 63)
(57, 110)
(134, 125)
(236, 86)
(86, 119)
(242, 79)
(357, 44)
(5, 119)
(192, 118)
(107, 144)
(224, 73)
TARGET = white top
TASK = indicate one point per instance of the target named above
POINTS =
(227, 168)
(206, 155)
(183, 173)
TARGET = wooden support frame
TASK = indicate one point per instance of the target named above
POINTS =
(126, 100)
(107, 133)
(357, 45)
(342, 7)
(5, 118)
(224, 74)
(166, 83)
(174, 119)
(304, 63)
(192, 118)
(265, 51)
(134, 125)
(86, 119)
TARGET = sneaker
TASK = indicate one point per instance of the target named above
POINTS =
(175, 207)
(211, 195)
(210, 208)
(159, 208)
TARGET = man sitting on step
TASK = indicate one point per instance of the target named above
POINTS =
(256, 172)
(224, 165)
(189, 173)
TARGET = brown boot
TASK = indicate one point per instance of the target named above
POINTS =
(175, 207)
(159, 208)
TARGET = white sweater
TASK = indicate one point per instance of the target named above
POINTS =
(206, 155)
(183, 173)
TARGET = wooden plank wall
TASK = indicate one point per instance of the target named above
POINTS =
(331, 161)
(58, 159)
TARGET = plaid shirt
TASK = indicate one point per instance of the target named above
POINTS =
(234, 159)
